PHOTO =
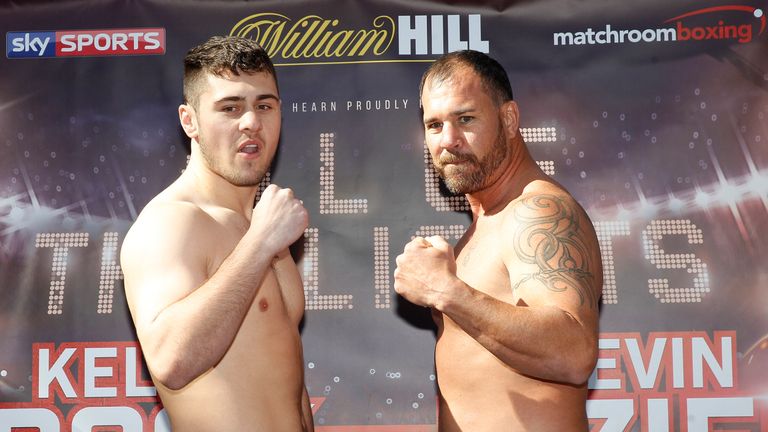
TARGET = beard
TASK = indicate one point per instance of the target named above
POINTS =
(472, 174)
(248, 177)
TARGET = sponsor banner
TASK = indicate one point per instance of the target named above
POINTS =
(85, 43)
(732, 23)
(313, 39)
(661, 141)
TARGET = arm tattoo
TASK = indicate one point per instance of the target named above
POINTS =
(548, 236)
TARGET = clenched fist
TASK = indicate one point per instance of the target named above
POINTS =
(426, 271)
(279, 218)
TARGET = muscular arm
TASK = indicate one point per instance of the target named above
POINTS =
(549, 250)
(186, 315)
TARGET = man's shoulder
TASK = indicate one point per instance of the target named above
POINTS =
(546, 207)
(541, 198)
(167, 211)
(166, 220)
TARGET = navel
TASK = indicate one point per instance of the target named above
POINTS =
(263, 305)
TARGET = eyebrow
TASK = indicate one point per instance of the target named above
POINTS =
(454, 113)
(241, 98)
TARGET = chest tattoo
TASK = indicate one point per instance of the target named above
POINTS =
(466, 254)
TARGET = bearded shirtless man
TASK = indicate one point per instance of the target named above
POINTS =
(516, 302)
(213, 291)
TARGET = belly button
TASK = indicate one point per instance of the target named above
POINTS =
(263, 305)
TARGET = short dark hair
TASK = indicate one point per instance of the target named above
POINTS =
(219, 55)
(492, 74)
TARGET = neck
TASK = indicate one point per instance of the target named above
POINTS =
(210, 189)
(508, 182)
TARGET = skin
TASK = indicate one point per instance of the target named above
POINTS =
(516, 302)
(215, 296)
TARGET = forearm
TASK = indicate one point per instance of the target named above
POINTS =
(543, 342)
(192, 335)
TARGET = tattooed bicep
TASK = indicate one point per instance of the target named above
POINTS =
(549, 235)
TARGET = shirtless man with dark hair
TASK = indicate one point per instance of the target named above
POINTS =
(516, 302)
(213, 291)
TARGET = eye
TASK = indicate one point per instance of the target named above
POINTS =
(229, 108)
(433, 125)
(465, 119)
(264, 107)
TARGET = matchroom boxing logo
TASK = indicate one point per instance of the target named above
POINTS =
(720, 23)
(85, 43)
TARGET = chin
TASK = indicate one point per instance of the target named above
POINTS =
(461, 185)
(245, 181)
(457, 189)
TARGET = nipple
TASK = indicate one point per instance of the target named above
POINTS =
(263, 305)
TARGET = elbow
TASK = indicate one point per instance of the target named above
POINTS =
(166, 360)
(580, 364)
(171, 374)
(578, 360)
(169, 369)
(580, 373)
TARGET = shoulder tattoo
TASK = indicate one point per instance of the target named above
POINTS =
(547, 235)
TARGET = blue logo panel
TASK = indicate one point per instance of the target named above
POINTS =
(30, 44)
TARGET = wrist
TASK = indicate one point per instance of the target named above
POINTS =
(456, 292)
(260, 245)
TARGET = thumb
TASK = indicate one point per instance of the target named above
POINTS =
(440, 243)
(269, 191)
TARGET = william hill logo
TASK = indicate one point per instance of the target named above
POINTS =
(729, 23)
(313, 39)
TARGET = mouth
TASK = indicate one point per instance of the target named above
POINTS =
(249, 147)
(452, 160)
(446, 158)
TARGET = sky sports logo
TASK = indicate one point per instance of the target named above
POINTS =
(85, 43)
(720, 23)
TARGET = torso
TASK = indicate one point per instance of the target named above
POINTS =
(258, 384)
(478, 391)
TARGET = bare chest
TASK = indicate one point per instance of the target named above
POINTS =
(279, 291)
(480, 262)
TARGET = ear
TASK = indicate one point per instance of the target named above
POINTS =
(188, 120)
(510, 116)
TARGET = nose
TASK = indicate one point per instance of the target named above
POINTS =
(450, 137)
(250, 121)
